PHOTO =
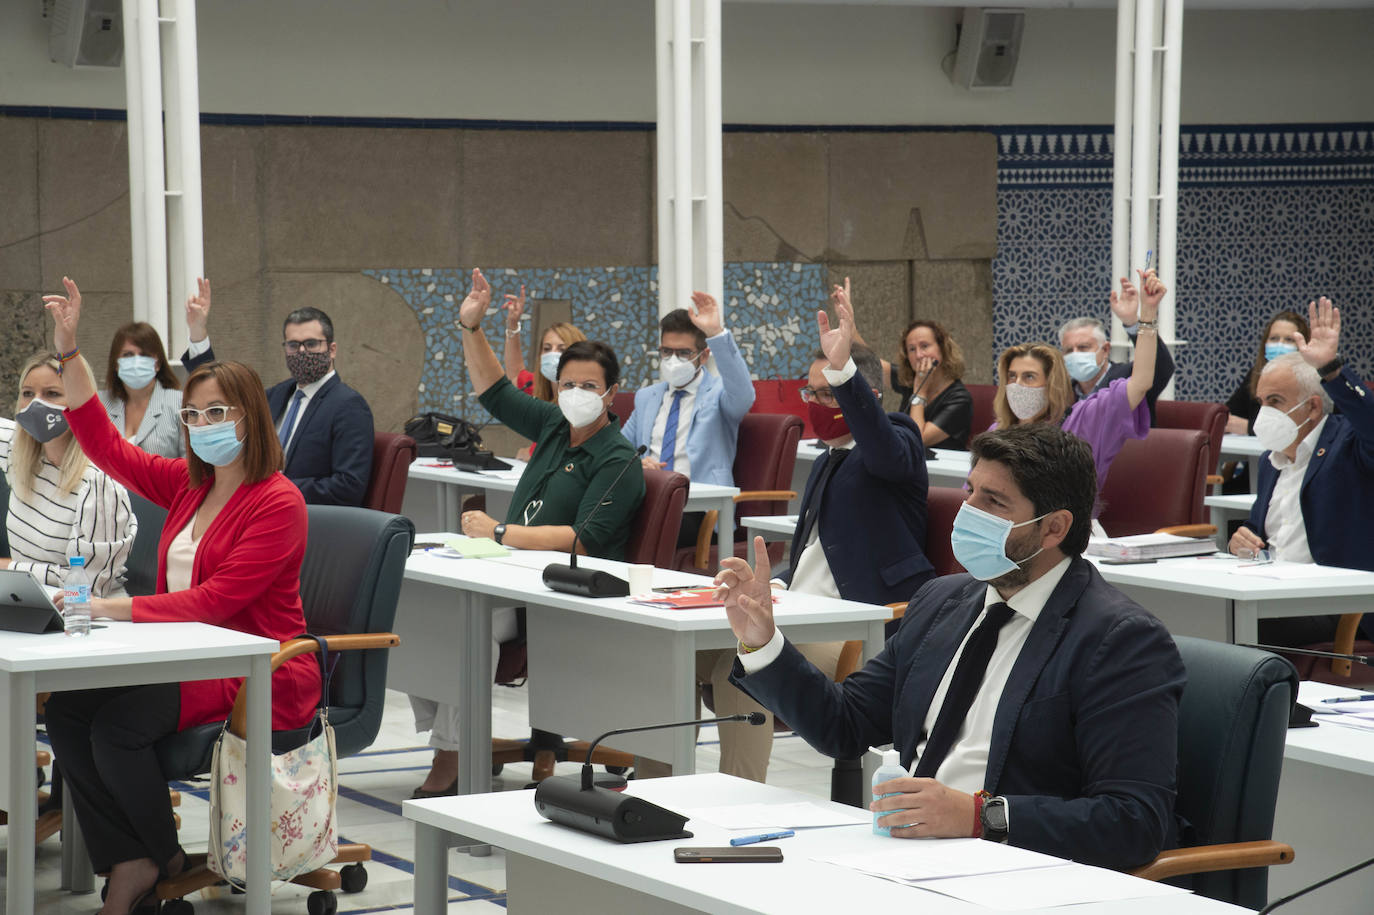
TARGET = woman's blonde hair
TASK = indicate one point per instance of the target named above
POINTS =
(26, 454)
(543, 388)
(1058, 386)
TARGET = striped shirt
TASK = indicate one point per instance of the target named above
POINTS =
(47, 527)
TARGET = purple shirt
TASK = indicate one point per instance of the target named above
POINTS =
(1104, 419)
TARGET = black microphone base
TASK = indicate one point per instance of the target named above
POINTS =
(620, 817)
(584, 582)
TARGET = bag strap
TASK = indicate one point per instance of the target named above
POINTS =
(326, 669)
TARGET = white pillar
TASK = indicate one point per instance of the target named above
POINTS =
(1143, 134)
(1172, 65)
(154, 254)
(1121, 155)
(138, 220)
(186, 246)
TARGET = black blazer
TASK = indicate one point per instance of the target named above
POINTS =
(1164, 370)
(330, 458)
(1084, 744)
(873, 511)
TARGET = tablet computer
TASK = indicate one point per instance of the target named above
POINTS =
(25, 605)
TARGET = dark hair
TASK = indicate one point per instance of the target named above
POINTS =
(262, 454)
(593, 351)
(308, 314)
(1292, 317)
(145, 337)
(951, 356)
(865, 360)
(1052, 468)
(678, 321)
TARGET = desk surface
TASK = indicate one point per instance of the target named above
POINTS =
(1209, 577)
(510, 821)
(1241, 446)
(520, 578)
(121, 644)
(435, 471)
(1242, 502)
(1331, 745)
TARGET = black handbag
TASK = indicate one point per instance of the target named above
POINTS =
(443, 436)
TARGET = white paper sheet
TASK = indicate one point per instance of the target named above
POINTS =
(778, 816)
(1071, 884)
(1286, 571)
(941, 859)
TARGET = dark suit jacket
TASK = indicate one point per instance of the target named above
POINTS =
(1164, 370)
(1084, 744)
(330, 457)
(873, 510)
(1337, 494)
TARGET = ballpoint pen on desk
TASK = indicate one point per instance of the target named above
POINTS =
(763, 837)
(1362, 697)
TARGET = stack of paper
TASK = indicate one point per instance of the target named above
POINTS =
(1149, 546)
(780, 816)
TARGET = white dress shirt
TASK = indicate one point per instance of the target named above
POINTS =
(965, 766)
(1287, 534)
(310, 390)
(681, 463)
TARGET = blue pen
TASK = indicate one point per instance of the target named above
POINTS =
(1362, 697)
(1149, 256)
(763, 837)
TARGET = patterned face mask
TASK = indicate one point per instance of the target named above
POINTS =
(307, 368)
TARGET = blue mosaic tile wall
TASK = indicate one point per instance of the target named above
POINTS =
(765, 305)
(1268, 218)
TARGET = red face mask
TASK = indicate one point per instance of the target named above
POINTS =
(828, 422)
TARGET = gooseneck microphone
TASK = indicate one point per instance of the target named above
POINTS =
(590, 582)
(1313, 653)
(584, 806)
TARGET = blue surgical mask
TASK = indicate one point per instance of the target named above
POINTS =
(979, 542)
(218, 444)
(137, 371)
(1273, 351)
(1082, 366)
(548, 366)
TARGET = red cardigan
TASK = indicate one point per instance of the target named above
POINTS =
(246, 574)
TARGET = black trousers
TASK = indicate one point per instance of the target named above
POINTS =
(103, 740)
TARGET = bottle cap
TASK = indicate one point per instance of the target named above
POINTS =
(77, 562)
(892, 758)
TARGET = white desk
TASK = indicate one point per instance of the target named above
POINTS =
(123, 654)
(1224, 509)
(1198, 597)
(550, 867)
(592, 658)
(947, 468)
(440, 510)
(1243, 448)
(1325, 811)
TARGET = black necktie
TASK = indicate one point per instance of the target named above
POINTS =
(813, 507)
(963, 686)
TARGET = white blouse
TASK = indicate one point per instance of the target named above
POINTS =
(181, 558)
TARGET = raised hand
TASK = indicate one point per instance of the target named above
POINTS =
(1126, 306)
(837, 342)
(478, 299)
(748, 596)
(66, 314)
(706, 316)
(198, 311)
(1154, 292)
(1325, 321)
(515, 308)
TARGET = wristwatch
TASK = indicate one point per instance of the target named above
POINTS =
(1332, 367)
(995, 819)
(498, 532)
(918, 399)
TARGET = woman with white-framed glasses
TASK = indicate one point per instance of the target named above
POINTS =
(230, 554)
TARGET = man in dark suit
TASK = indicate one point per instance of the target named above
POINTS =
(324, 425)
(1316, 484)
(1038, 703)
(1087, 351)
(861, 532)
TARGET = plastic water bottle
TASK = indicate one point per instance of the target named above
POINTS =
(76, 598)
(890, 769)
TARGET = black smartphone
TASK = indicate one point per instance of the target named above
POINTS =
(757, 854)
(1126, 562)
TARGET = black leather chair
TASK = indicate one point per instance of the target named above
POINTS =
(1232, 725)
(350, 582)
(140, 575)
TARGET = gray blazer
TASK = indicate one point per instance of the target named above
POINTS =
(160, 431)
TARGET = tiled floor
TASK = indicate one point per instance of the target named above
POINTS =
(372, 787)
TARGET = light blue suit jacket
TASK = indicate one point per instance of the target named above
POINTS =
(720, 404)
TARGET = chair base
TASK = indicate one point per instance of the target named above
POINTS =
(545, 754)
(198, 876)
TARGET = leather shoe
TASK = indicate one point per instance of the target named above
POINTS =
(449, 791)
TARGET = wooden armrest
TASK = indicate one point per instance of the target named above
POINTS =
(702, 558)
(898, 609)
(238, 718)
(1347, 627)
(1189, 530)
(1215, 479)
(765, 495)
(1203, 858)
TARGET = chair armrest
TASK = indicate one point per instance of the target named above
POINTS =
(1200, 859)
(1189, 530)
(702, 557)
(1215, 479)
(765, 495)
(238, 718)
(898, 609)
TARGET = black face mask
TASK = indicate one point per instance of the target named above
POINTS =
(307, 368)
(42, 420)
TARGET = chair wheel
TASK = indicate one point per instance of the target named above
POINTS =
(496, 769)
(178, 907)
(617, 770)
(321, 902)
(353, 878)
(41, 777)
(104, 890)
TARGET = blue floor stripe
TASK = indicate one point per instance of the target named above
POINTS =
(466, 887)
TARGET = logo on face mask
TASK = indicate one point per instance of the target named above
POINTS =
(829, 422)
(42, 420)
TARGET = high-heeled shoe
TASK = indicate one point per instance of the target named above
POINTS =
(421, 793)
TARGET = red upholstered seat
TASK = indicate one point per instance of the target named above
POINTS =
(392, 455)
(1158, 481)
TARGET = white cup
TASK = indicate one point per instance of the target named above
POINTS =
(641, 579)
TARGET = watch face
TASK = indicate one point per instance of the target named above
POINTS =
(995, 815)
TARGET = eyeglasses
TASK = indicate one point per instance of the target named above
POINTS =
(824, 396)
(315, 345)
(686, 355)
(213, 416)
(586, 386)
